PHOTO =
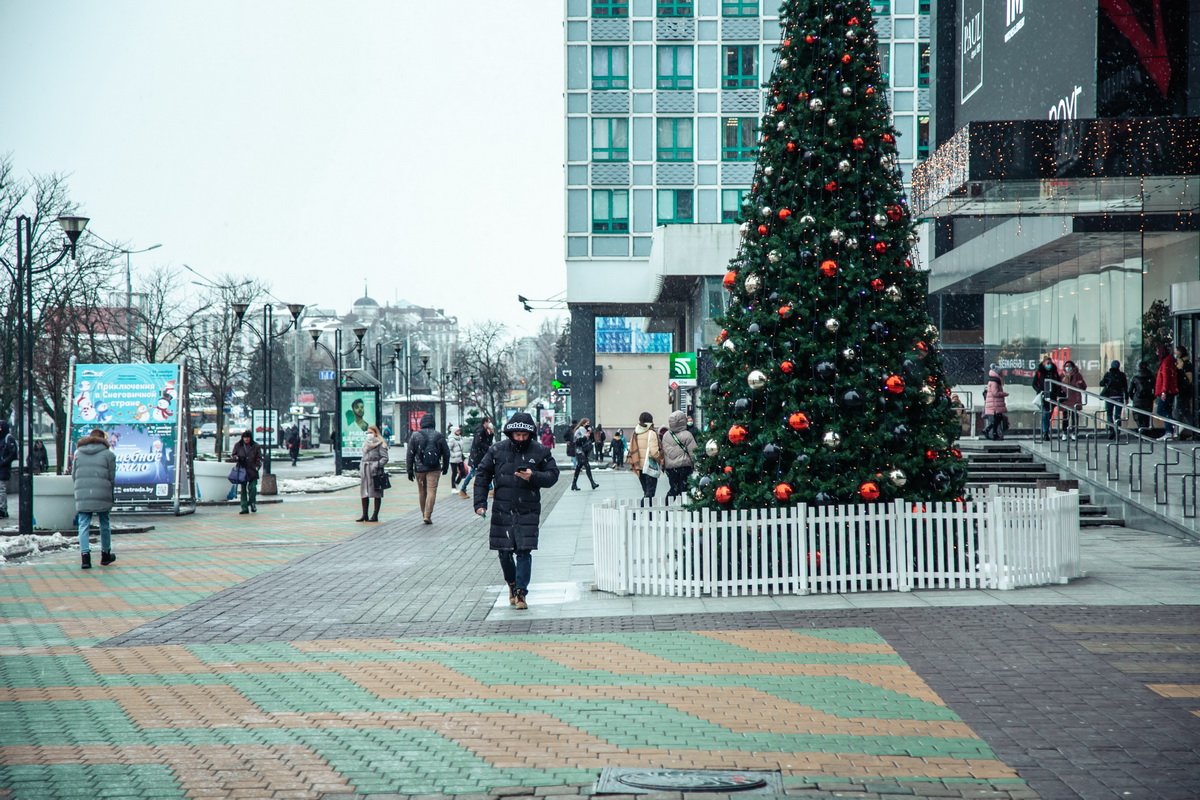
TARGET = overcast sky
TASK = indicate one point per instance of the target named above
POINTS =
(413, 145)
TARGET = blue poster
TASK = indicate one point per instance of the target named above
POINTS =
(145, 459)
(116, 394)
(626, 335)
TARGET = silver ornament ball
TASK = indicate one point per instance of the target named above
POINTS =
(808, 220)
(849, 354)
(832, 325)
(711, 448)
(730, 346)
(844, 166)
(927, 395)
(880, 219)
(768, 170)
(766, 211)
(780, 125)
(893, 293)
(851, 243)
(816, 104)
(753, 284)
(774, 257)
(831, 122)
(898, 478)
(832, 440)
(836, 235)
(846, 90)
(756, 379)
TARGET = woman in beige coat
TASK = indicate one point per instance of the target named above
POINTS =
(644, 444)
(374, 457)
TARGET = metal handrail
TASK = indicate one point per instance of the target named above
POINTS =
(1173, 454)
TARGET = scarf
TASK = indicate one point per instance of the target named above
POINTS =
(372, 441)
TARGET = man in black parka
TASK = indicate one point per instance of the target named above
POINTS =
(520, 467)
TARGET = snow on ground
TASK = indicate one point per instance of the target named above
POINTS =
(29, 545)
(325, 483)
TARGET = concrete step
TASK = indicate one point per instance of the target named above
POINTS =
(1006, 466)
(1011, 478)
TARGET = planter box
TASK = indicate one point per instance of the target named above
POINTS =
(54, 502)
(212, 480)
(1006, 540)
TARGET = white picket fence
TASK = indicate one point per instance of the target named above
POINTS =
(1003, 540)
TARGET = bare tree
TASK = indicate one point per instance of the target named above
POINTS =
(215, 355)
(162, 320)
(484, 357)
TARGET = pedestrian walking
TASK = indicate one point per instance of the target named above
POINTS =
(1114, 386)
(679, 448)
(479, 447)
(370, 469)
(1185, 401)
(39, 459)
(618, 449)
(995, 406)
(9, 451)
(428, 460)
(457, 457)
(599, 437)
(1072, 400)
(1049, 392)
(582, 437)
(520, 468)
(293, 443)
(248, 455)
(1141, 394)
(547, 437)
(645, 456)
(1166, 388)
(94, 475)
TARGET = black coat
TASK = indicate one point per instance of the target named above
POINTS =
(517, 506)
(416, 444)
(479, 446)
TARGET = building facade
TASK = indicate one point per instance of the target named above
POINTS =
(663, 104)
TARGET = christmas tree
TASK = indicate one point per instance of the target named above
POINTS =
(829, 383)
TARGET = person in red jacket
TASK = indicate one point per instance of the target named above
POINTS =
(1166, 388)
(1073, 400)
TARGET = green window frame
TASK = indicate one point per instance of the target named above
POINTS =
(675, 140)
(610, 8)
(610, 211)
(739, 138)
(922, 136)
(676, 8)
(675, 67)
(740, 63)
(675, 206)
(923, 7)
(923, 65)
(731, 204)
(881, 7)
(610, 139)
(739, 8)
(610, 67)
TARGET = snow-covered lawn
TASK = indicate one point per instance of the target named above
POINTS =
(325, 483)
(28, 545)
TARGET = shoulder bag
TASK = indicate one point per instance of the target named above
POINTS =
(238, 475)
(650, 467)
(381, 480)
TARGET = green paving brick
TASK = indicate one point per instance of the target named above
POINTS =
(37, 782)
(65, 722)
(64, 670)
(33, 635)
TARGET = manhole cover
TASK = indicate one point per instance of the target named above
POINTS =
(619, 780)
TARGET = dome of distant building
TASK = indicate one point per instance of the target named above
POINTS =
(365, 301)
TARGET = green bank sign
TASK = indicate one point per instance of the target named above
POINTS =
(683, 371)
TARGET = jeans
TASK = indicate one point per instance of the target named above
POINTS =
(517, 566)
(1164, 410)
(649, 487)
(4, 495)
(427, 491)
(249, 495)
(467, 481)
(84, 521)
(1047, 413)
(1113, 413)
(677, 477)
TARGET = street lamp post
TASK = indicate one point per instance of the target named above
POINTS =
(129, 300)
(268, 335)
(337, 355)
(22, 275)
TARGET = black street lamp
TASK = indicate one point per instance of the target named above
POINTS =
(22, 276)
(268, 335)
(337, 355)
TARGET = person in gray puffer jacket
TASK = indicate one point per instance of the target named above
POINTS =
(95, 475)
(678, 448)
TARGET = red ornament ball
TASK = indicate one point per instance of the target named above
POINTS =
(908, 263)
(785, 312)
(724, 495)
(737, 434)
(877, 285)
(846, 59)
(762, 230)
(787, 42)
(869, 491)
(783, 492)
(931, 455)
(730, 279)
(858, 143)
(924, 348)
(791, 147)
(787, 367)
(853, 21)
(722, 336)
(829, 268)
(803, 95)
(810, 39)
(894, 213)
(784, 213)
(881, 247)
(887, 137)
(894, 384)
(832, 186)
(728, 470)
(781, 108)
(870, 91)
(798, 421)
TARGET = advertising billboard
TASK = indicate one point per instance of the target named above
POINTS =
(137, 407)
(359, 410)
(1022, 59)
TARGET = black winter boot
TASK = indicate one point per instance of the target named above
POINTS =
(86, 561)
(106, 558)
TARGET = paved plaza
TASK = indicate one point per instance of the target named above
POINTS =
(297, 654)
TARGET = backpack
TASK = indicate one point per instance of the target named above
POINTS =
(429, 455)
(8, 452)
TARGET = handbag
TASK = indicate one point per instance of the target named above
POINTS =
(381, 480)
(650, 468)
(238, 475)
(1038, 401)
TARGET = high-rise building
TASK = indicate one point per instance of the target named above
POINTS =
(663, 104)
